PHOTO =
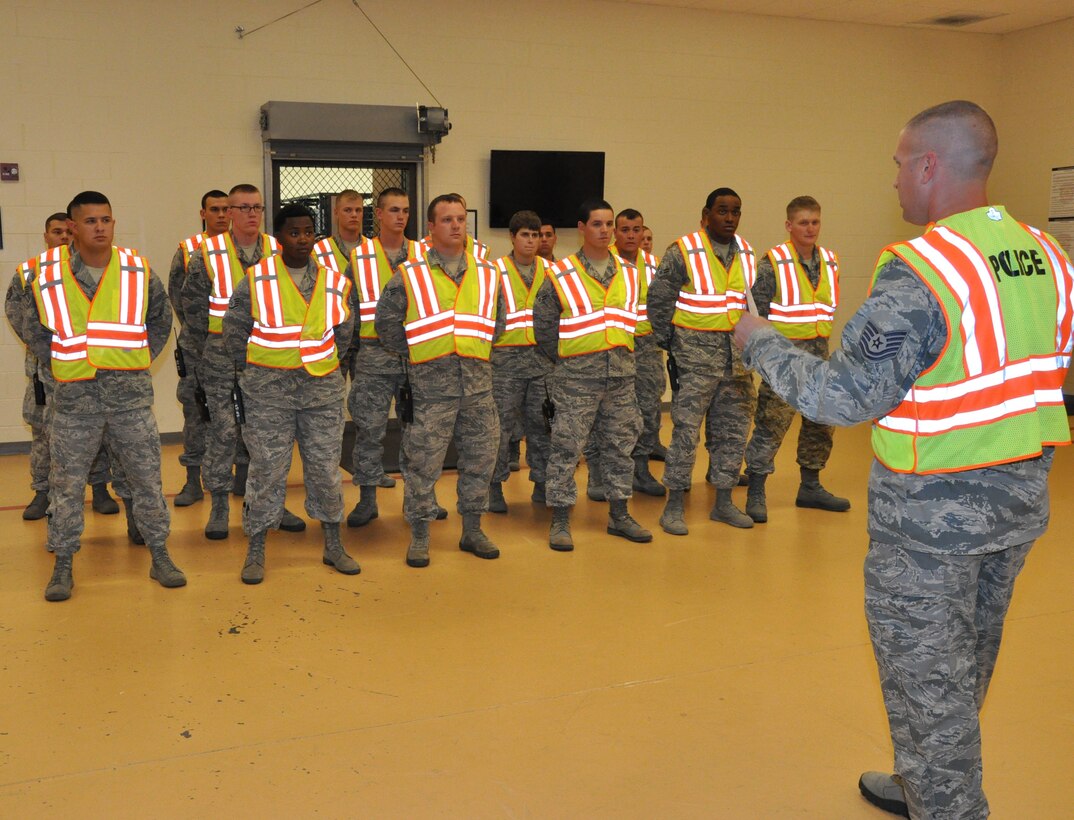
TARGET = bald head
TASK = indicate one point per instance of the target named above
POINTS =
(960, 133)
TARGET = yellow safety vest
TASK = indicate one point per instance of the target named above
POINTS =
(225, 270)
(372, 270)
(798, 310)
(189, 247)
(288, 332)
(327, 254)
(995, 393)
(444, 318)
(648, 266)
(714, 296)
(518, 300)
(108, 333)
(594, 318)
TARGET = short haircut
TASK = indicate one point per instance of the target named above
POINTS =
(59, 216)
(524, 219)
(86, 198)
(392, 191)
(717, 194)
(430, 212)
(802, 203)
(213, 194)
(294, 210)
(629, 213)
(585, 210)
(977, 143)
(548, 225)
(244, 188)
(349, 193)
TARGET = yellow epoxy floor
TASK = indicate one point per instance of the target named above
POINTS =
(727, 674)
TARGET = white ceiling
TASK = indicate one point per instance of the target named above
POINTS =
(1006, 16)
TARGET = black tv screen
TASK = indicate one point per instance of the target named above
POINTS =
(552, 183)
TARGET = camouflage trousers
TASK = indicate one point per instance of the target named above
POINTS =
(76, 439)
(473, 424)
(272, 433)
(369, 403)
(194, 427)
(771, 421)
(725, 404)
(39, 417)
(520, 404)
(224, 445)
(649, 383)
(607, 410)
(936, 622)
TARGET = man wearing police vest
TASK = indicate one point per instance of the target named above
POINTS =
(959, 354)
(376, 373)
(584, 319)
(287, 327)
(211, 278)
(216, 217)
(335, 251)
(797, 288)
(443, 313)
(648, 357)
(37, 401)
(696, 297)
(519, 369)
(103, 316)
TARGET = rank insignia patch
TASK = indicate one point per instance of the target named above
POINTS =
(878, 345)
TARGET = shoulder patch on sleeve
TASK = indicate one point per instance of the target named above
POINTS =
(878, 345)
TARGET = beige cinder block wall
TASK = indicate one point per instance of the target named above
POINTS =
(154, 103)
(1036, 124)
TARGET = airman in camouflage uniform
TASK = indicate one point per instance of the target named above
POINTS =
(946, 541)
(376, 372)
(215, 216)
(452, 393)
(773, 416)
(20, 309)
(712, 378)
(291, 398)
(519, 368)
(593, 383)
(98, 403)
(224, 445)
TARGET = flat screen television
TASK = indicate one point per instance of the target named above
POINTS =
(552, 183)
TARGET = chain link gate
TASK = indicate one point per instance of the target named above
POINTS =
(316, 185)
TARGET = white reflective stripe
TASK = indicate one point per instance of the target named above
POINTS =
(113, 327)
(971, 348)
(421, 283)
(429, 335)
(282, 330)
(698, 261)
(476, 317)
(1019, 404)
(988, 284)
(425, 321)
(1016, 370)
(508, 291)
(831, 264)
(131, 297)
(473, 333)
(69, 341)
(569, 273)
(748, 259)
(55, 297)
(260, 293)
(124, 344)
(787, 274)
